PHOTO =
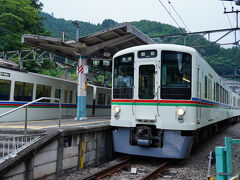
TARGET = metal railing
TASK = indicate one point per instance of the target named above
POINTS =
(10, 146)
(26, 110)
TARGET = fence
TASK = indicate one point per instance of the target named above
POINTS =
(10, 146)
(228, 159)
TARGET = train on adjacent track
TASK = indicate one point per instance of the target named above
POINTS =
(164, 97)
(19, 87)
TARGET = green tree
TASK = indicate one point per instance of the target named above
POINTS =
(17, 18)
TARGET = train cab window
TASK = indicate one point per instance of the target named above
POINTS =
(146, 82)
(101, 99)
(65, 96)
(5, 87)
(43, 91)
(71, 97)
(23, 91)
(123, 77)
(176, 75)
(57, 94)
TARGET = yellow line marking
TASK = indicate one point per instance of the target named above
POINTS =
(83, 153)
(56, 125)
(22, 122)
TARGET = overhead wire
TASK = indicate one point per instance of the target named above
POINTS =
(231, 4)
(171, 16)
(227, 14)
(179, 16)
(235, 14)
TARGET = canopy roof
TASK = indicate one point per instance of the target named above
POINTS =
(97, 45)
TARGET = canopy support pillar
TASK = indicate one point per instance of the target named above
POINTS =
(81, 89)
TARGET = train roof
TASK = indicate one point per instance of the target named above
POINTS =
(50, 77)
(163, 46)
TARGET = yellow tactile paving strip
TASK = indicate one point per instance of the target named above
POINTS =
(46, 124)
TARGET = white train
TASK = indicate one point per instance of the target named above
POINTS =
(164, 97)
(18, 88)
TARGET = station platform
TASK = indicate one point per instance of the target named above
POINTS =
(66, 123)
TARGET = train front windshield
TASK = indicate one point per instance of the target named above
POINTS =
(176, 75)
(123, 77)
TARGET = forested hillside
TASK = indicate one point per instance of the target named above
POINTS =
(224, 61)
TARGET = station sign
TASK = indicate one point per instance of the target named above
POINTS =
(5, 74)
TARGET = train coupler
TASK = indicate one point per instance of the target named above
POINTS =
(147, 136)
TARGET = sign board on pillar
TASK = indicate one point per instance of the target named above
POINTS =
(85, 70)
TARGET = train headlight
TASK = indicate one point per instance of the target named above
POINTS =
(116, 109)
(180, 111)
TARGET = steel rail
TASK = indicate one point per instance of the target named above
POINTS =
(107, 171)
(155, 172)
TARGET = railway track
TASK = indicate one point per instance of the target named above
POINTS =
(155, 172)
(114, 170)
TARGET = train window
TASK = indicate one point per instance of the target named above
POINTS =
(227, 98)
(23, 91)
(146, 88)
(217, 92)
(5, 87)
(58, 94)
(123, 77)
(224, 97)
(71, 97)
(76, 98)
(206, 87)
(221, 94)
(43, 91)
(147, 54)
(176, 75)
(108, 99)
(106, 63)
(101, 99)
(209, 89)
(65, 96)
(214, 91)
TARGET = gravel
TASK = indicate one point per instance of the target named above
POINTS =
(194, 167)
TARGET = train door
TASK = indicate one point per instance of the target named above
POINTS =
(146, 99)
(211, 95)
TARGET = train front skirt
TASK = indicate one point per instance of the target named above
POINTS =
(174, 145)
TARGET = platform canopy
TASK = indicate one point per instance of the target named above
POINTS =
(103, 44)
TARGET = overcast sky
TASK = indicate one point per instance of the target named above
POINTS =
(198, 15)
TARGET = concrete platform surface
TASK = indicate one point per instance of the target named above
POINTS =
(54, 123)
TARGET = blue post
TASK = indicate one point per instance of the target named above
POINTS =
(224, 160)
(81, 107)
(221, 164)
(228, 147)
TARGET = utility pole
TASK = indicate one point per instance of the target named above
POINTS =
(236, 12)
